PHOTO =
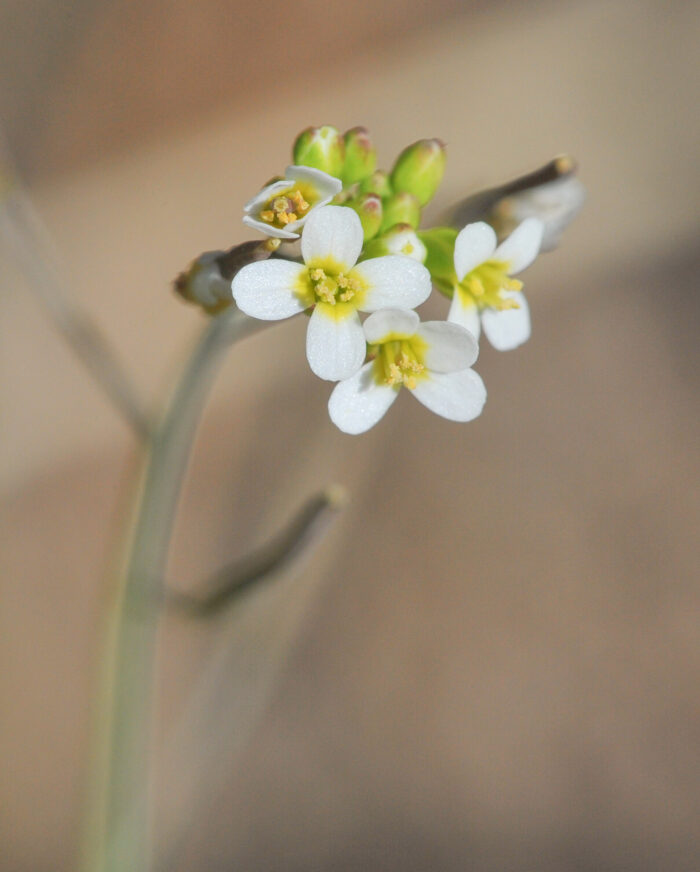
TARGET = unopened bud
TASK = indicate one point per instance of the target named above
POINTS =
(401, 239)
(401, 208)
(360, 156)
(378, 183)
(369, 208)
(321, 148)
(419, 169)
(207, 280)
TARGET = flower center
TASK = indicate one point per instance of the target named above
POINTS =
(334, 287)
(398, 362)
(486, 284)
(284, 209)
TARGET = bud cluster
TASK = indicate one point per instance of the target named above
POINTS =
(384, 200)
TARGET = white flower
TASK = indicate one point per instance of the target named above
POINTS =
(332, 283)
(432, 360)
(485, 294)
(282, 207)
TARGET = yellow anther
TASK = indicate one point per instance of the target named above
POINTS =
(408, 363)
(395, 375)
(333, 287)
(507, 303)
(268, 216)
(487, 285)
(325, 292)
(299, 202)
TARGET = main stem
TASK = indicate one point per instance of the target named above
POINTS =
(119, 838)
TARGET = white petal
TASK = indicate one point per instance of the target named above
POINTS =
(465, 313)
(522, 246)
(357, 403)
(335, 346)
(507, 328)
(475, 244)
(458, 396)
(403, 322)
(267, 290)
(326, 186)
(267, 193)
(269, 230)
(450, 346)
(332, 231)
(393, 281)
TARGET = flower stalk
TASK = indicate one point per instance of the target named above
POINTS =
(119, 835)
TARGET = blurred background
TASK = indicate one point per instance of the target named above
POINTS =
(491, 663)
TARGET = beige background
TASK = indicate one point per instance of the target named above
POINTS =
(497, 663)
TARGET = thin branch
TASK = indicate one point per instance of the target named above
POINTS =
(295, 541)
(28, 241)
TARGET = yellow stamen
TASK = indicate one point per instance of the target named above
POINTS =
(333, 288)
(285, 209)
(398, 362)
(486, 285)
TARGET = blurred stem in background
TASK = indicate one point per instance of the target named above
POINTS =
(22, 228)
(29, 242)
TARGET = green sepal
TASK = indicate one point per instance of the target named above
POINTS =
(374, 248)
(440, 244)
(321, 148)
(419, 169)
(369, 208)
(401, 208)
(360, 156)
(377, 183)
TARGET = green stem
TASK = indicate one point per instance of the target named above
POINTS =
(119, 838)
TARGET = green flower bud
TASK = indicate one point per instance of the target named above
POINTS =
(321, 148)
(369, 208)
(378, 183)
(419, 169)
(360, 156)
(440, 246)
(401, 208)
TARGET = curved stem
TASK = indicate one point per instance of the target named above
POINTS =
(120, 832)
(293, 541)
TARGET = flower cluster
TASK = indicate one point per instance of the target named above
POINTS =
(347, 240)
